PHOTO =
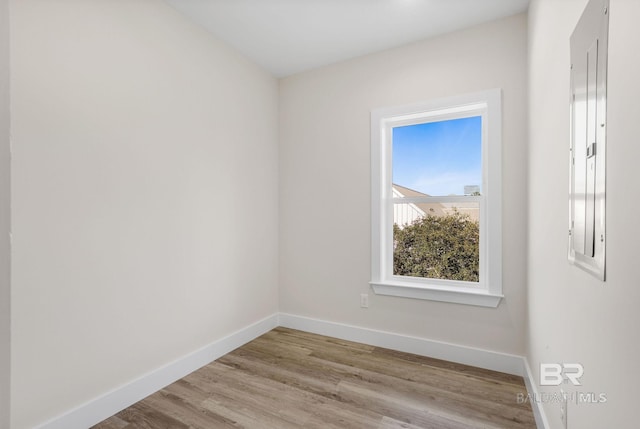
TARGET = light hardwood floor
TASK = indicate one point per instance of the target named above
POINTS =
(292, 379)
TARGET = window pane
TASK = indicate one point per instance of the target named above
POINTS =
(437, 240)
(438, 158)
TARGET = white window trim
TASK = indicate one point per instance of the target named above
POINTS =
(486, 293)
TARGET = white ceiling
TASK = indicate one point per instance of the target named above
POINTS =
(290, 36)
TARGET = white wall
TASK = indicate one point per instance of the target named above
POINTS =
(325, 180)
(5, 199)
(144, 196)
(572, 316)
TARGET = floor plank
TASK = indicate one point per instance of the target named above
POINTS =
(290, 379)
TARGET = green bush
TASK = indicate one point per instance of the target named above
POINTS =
(442, 247)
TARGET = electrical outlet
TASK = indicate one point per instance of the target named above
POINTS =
(364, 300)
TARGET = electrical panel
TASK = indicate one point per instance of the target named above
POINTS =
(587, 194)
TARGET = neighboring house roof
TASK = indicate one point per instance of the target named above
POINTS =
(407, 213)
(435, 209)
(407, 192)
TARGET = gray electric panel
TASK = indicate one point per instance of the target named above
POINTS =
(587, 194)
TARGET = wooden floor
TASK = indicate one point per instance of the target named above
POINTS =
(291, 379)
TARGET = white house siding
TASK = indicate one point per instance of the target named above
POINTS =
(405, 214)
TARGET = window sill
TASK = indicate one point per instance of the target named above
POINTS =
(465, 296)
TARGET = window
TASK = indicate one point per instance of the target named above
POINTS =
(436, 209)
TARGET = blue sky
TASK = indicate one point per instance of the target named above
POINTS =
(438, 158)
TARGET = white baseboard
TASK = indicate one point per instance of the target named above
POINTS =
(536, 405)
(110, 403)
(511, 364)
